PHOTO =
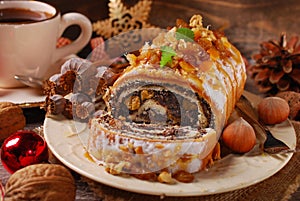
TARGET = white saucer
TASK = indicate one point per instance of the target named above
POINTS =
(26, 96)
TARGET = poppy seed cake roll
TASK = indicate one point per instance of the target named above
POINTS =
(167, 109)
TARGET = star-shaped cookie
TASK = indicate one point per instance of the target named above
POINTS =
(123, 19)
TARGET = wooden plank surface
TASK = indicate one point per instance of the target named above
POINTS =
(246, 23)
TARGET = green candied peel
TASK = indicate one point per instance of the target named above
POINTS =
(166, 55)
(185, 34)
(168, 52)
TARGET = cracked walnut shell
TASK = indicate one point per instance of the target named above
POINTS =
(43, 182)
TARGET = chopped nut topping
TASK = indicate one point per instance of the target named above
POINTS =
(146, 94)
(165, 177)
(159, 146)
(148, 176)
(183, 176)
(134, 103)
(124, 148)
(139, 150)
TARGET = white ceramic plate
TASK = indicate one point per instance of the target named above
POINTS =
(230, 173)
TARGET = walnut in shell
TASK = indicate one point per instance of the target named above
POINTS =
(12, 119)
(41, 182)
(293, 99)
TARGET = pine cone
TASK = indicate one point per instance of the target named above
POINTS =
(277, 66)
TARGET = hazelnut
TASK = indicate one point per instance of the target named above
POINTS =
(239, 136)
(273, 110)
(41, 182)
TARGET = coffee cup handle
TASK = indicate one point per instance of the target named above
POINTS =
(85, 25)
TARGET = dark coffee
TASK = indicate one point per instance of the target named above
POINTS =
(20, 16)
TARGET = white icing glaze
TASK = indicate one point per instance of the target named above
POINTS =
(166, 152)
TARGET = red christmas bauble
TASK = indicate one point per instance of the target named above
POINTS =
(23, 148)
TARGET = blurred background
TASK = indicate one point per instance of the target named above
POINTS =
(246, 22)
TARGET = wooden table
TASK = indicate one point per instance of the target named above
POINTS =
(246, 23)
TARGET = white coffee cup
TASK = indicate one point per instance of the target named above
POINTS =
(29, 48)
